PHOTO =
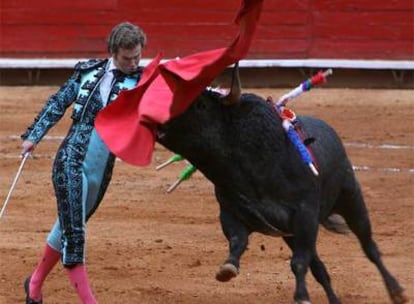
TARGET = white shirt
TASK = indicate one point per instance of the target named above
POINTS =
(107, 81)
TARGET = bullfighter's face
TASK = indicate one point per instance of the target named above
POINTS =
(127, 60)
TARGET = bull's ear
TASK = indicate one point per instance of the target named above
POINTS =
(235, 90)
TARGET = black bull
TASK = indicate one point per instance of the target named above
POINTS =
(262, 185)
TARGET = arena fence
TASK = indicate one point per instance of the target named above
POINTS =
(255, 72)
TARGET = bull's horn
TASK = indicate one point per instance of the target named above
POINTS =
(235, 90)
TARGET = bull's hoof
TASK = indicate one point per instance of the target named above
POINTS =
(226, 272)
(400, 298)
(337, 224)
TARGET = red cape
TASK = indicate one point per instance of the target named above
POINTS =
(128, 125)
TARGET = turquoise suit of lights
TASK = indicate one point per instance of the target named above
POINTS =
(83, 164)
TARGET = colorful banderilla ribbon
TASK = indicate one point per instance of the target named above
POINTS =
(174, 158)
(289, 118)
(184, 175)
(303, 87)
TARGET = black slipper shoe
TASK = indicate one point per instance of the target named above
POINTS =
(26, 289)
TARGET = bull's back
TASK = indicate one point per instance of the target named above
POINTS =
(327, 148)
(335, 169)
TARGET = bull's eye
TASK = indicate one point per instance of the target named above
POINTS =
(160, 134)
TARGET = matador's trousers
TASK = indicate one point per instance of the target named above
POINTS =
(81, 173)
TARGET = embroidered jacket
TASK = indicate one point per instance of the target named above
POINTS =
(81, 89)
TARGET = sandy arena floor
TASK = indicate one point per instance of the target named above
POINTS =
(147, 246)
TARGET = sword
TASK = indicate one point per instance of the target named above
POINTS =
(19, 172)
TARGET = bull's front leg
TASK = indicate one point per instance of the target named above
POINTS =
(303, 245)
(237, 235)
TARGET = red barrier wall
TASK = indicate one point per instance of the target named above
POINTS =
(299, 29)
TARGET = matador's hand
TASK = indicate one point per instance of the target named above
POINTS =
(27, 147)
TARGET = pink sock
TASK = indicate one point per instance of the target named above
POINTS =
(79, 280)
(49, 259)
